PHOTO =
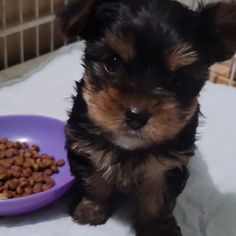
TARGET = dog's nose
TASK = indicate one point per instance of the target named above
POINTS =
(136, 118)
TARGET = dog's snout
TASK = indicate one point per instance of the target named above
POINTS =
(136, 118)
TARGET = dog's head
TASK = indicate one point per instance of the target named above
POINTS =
(146, 62)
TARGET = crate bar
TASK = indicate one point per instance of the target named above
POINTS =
(27, 25)
(5, 53)
(52, 26)
(232, 71)
(22, 55)
(37, 28)
(65, 40)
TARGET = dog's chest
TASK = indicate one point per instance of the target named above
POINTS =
(123, 173)
(126, 170)
(129, 172)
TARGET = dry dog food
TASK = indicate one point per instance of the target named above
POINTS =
(23, 171)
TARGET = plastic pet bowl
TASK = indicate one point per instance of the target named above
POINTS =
(48, 133)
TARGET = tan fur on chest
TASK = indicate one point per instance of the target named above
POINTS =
(129, 174)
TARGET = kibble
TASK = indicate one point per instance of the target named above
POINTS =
(23, 171)
(60, 163)
(3, 196)
(48, 172)
(27, 172)
(37, 188)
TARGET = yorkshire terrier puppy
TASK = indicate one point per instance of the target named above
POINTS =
(132, 127)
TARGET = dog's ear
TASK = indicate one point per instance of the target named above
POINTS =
(217, 31)
(83, 18)
(75, 17)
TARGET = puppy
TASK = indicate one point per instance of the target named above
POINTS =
(132, 128)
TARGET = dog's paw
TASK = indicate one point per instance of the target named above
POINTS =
(159, 232)
(89, 212)
(161, 227)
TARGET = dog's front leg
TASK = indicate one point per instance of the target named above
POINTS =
(156, 201)
(95, 206)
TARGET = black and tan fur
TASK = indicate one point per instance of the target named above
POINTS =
(141, 55)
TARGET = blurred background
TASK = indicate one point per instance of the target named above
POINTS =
(29, 32)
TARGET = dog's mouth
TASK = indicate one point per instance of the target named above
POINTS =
(135, 134)
(131, 140)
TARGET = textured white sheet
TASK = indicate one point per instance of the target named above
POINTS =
(208, 205)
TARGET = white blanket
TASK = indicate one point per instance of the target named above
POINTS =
(208, 205)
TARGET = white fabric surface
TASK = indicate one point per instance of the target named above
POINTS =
(208, 205)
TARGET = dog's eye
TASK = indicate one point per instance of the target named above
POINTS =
(176, 81)
(158, 91)
(112, 63)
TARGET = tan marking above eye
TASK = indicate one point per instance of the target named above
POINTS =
(181, 55)
(123, 46)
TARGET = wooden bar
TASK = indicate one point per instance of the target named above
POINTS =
(4, 36)
(52, 26)
(232, 72)
(27, 25)
(37, 27)
(65, 40)
(22, 56)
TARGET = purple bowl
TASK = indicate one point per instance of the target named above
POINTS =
(48, 133)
